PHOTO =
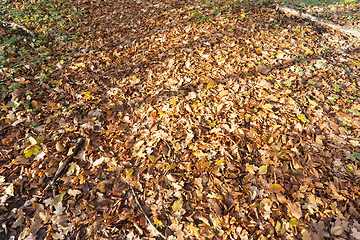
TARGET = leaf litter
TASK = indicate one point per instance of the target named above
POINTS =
(242, 126)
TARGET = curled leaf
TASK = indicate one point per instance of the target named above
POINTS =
(128, 174)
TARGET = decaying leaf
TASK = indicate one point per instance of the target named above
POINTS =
(58, 198)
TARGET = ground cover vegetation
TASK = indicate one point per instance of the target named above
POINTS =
(178, 120)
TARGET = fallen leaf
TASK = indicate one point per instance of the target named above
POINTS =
(59, 147)
(33, 150)
(74, 192)
(177, 205)
(58, 198)
(295, 209)
(263, 169)
(276, 188)
(293, 222)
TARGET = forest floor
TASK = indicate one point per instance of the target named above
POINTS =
(228, 121)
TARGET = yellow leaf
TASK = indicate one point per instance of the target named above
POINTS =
(81, 179)
(196, 104)
(212, 124)
(267, 106)
(80, 64)
(152, 158)
(225, 37)
(220, 161)
(171, 166)
(221, 59)
(59, 83)
(275, 188)
(157, 222)
(312, 102)
(351, 169)
(24, 233)
(263, 169)
(87, 94)
(242, 15)
(33, 150)
(293, 222)
(301, 116)
(271, 140)
(58, 198)
(259, 49)
(177, 205)
(128, 174)
(211, 83)
(216, 221)
(161, 114)
(308, 51)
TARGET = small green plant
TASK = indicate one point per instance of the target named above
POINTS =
(336, 87)
(49, 18)
(288, 83)
(15, 104)
(332, 99)
(33, 125)
(355, 156)
(355, 112)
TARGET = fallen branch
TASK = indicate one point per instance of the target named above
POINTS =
(345, 29)
(11, 24)
(147, 218)
(61, 170)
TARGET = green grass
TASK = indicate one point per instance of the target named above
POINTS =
(52, 22)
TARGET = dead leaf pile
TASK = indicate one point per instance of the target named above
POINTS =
(243, 126)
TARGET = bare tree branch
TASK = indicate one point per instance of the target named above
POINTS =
(345, 29)
(147, 218)
(11, 24)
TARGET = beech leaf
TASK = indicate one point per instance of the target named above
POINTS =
(33, 150)
(293, 222)
(177, 205)
(263, 169)
(58, 198)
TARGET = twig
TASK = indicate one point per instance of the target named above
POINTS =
(61, 170)
(29, 203)
(14, 210)
(11, 24)
(147, 218)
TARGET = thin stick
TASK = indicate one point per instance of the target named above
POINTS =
(61, 170)
(147, 218)
(11, 24)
